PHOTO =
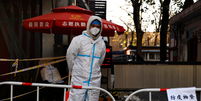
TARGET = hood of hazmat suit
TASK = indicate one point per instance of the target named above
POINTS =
(91, 19)
(84, 56)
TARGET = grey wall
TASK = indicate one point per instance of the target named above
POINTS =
(156, 76)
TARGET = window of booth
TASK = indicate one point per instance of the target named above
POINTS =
(144, 55)
(151, 56)
(157, 55)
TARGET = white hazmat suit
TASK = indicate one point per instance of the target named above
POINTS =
(84, 56)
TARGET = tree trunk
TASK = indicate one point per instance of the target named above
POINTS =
(127, 31)
(126, 39)
(136, 16)
(132, 33)
(155, 42)
(164, 28)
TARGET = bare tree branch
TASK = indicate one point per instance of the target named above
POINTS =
(127, 12)
(125, 23)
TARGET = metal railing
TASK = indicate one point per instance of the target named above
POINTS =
(151, 90)
(11, 83)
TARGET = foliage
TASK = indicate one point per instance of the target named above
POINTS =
(145, 21)
(154, 9)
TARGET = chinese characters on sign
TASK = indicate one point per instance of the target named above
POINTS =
(69, 24)
(184, 97)
(182, 94)
(76, 17)
(74, 24)
(110, 26)
(38, 24)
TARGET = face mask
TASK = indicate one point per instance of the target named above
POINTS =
(94, 31)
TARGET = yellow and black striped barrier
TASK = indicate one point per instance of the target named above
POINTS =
(48, 58)
(15, 64)
(34, 67)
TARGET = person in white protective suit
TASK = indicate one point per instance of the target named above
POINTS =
(84, 56)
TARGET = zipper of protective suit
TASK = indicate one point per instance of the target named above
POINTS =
(92, 60)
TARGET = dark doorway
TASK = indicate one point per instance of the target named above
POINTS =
(192, 49)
